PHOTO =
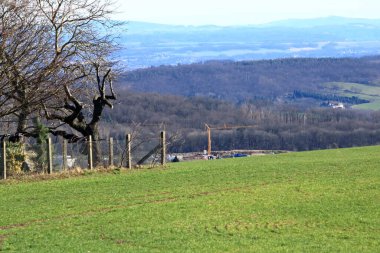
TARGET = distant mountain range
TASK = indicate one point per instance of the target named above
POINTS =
(147, 44)
(327, 21)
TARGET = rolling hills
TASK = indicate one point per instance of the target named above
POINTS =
(270, 80)
(261, 93)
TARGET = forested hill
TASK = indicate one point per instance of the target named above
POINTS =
(260, 93)
(278, 127)
(245, 80)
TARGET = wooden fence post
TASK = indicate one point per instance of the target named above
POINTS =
(64, 155)
(163, 148)
(110, 158)
(89, 151)
(3, 159)
(128, 151)
(49, 156)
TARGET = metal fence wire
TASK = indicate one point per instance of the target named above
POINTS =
(57, 155)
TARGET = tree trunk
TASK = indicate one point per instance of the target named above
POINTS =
(22, 120)
(24, 110)
(93, 130)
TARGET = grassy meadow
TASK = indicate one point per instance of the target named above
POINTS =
(321, 201)
(363, 91)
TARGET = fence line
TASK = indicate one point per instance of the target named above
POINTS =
(49, 156)
(3, 160)
(110, 153)
(128, 150)
(89, 153)
(64, 155)
(163, 147)
(160, 149)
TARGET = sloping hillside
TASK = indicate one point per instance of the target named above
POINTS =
(250, 80)
(325, 201)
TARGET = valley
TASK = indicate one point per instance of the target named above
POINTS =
(146, 44)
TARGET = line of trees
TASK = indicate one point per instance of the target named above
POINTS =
(329, 97)
(55, 64)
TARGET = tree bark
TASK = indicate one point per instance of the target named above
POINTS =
(93, 130)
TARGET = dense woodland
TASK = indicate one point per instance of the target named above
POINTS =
(260, 93)
(253, 80)
(278, 127)
(329, 97)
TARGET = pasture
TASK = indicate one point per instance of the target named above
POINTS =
(321, 201)
(363, 91)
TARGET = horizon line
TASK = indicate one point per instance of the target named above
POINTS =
(249, 24)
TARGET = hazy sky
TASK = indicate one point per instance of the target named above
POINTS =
(231, 12)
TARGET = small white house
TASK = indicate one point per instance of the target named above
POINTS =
(337, 105)
(334, 105)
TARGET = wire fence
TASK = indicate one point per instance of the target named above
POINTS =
(57, 155)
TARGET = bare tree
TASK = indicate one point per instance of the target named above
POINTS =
(73, 113)
(24, 70)
(54, 54)
(81, 31)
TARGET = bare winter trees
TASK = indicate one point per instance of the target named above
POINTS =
(27, 68)
(73, 112)
(55, 63)
(23, 51)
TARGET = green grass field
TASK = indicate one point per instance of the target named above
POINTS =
(323, 201)
(363, 91)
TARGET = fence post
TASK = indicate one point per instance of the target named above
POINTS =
(89, 151)
(4, 159)
(128, 151)
(163, 147)
(110, 162)
(64, 155)
(49, 156)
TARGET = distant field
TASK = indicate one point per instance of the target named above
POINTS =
(371, 93)
(324, 201)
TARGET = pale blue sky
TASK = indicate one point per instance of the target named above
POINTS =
(233, 12)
